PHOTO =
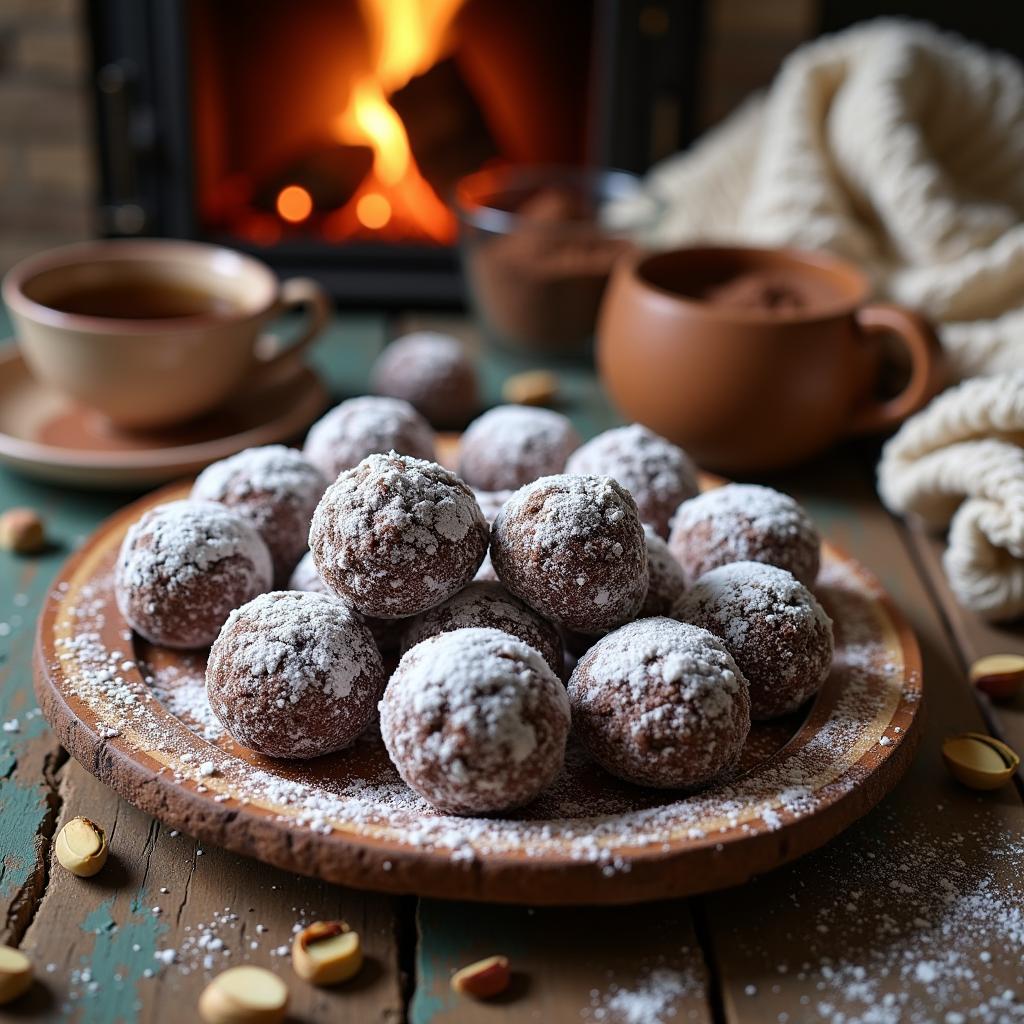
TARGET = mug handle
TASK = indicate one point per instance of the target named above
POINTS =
(925, 362)
(296, 293)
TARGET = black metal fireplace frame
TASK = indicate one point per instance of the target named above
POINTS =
(643, 83)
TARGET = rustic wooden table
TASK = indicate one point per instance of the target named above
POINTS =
(915, 914)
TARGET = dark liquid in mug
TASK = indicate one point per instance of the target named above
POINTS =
(143, 300)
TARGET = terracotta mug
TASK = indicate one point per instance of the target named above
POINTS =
(754, 359)
(153, 332)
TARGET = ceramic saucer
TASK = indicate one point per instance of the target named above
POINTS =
(47, 436)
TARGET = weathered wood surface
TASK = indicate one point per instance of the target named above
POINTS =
(973, 637)
(932, 874)
(905, 915)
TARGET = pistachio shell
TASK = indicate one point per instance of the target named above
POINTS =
(1001, 676)
(979, 761)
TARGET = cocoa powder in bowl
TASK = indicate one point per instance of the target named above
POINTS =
(538, 251)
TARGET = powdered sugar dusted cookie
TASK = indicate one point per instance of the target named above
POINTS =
(294, 675)
(667, 579)
(745, 523)
(343, 437)
(658, 474)
(433, 373)
(183, 567)
(487, 605)
(276, 490)
(661, 703)
(573, 549)
(773, 626)
(475, 721)
(512, 445)
(397, 535)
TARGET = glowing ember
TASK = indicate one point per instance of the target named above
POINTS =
(373, 210)
(294, 204)
(407, 37)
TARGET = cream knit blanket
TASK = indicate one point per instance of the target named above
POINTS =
(897, 146)
(960, 462)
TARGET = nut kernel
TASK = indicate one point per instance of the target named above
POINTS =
(327, 953)
(15, 973)
(1001, 676)
(483, 979)
(21, 531)
(81, 847)
(244, 995)
(979, 761)
(534, 387)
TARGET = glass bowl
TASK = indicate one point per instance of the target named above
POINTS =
(537, 246)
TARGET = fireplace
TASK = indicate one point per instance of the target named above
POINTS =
(326, 136)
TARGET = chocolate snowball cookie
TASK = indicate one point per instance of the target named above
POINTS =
(488, 605)
(433, 373)
(343, 437)
(658, 474)
(387, 633)
(745, 523)
(490, 503)
(661, 703)
(183, 567)
(475, 721)
(573, 549)
(294, 675)
(512, 445)
(772, 625)
(397, 535)
(276, 490)
(667, 579)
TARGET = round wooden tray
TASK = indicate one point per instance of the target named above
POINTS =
(134, 716)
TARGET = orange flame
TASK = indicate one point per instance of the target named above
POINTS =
(407, 37)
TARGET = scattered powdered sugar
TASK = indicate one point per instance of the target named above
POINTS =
(929, 922)
(584, 814)
(658, 474)
(363, 426)
(181, 688)
(510, 445)
(653, 999)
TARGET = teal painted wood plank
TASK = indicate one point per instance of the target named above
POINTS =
(569, 964)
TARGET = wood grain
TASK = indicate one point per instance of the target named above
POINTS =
(972, 636)
(567, 966)
(839, 932)
(115, 924)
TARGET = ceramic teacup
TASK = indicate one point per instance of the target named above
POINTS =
(153, 332)
(753, 359)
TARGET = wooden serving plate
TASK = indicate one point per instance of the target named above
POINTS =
(134, 716)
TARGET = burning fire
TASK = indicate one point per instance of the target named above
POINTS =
(407, 37)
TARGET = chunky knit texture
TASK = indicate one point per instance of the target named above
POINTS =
(853, 149)
(960, 463)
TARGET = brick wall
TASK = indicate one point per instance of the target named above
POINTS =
(47, 166)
